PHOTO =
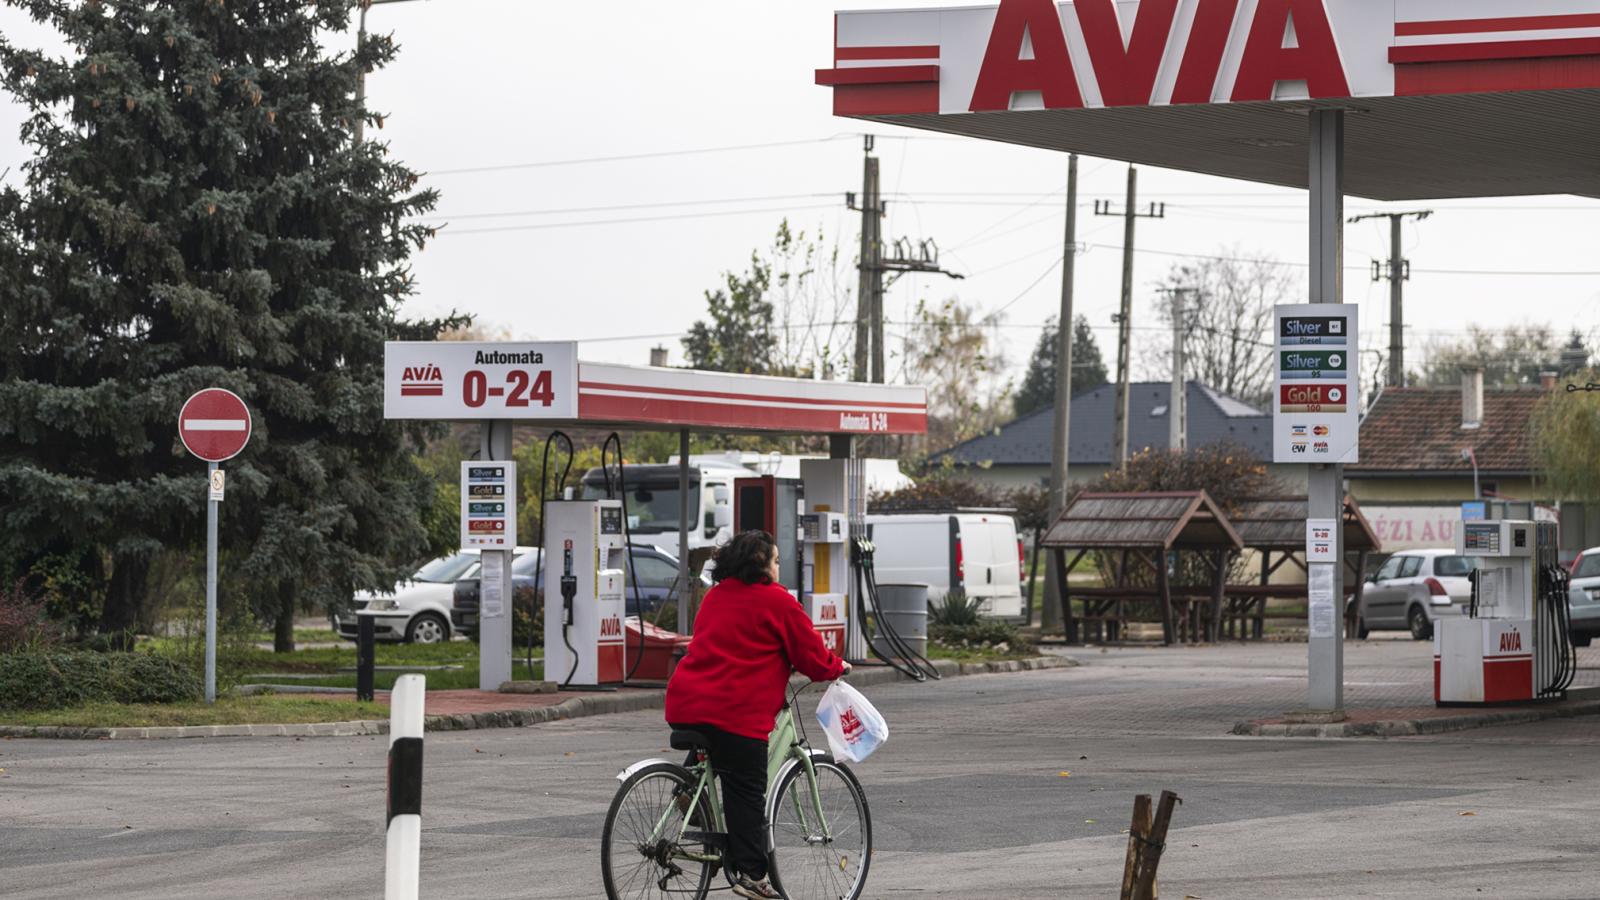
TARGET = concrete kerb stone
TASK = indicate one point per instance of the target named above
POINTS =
(572, 708)
(1486, 718)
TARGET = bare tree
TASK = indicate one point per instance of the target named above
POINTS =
(1508, 355)
(1228, 334)
(954, 353)
(813, 304)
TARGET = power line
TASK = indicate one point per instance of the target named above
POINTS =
(621, 207)
(581, 224)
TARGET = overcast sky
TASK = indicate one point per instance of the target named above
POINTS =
(493, 83)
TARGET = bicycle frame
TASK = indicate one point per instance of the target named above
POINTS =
(784, 748)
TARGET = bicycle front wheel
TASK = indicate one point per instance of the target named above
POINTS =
(640, 857)
(822, 843)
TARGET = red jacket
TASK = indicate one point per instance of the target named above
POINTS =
(747, 639)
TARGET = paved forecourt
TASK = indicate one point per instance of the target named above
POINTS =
(968, 797)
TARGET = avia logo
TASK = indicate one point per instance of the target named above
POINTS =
(611, 626)
(1126, 68)
(1511, 642)
(829, 612)
(422, 381)
(1319, 446)
(851, 724)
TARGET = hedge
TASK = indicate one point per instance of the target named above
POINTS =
(52, 680)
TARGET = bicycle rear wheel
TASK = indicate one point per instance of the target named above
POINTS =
(636, 863)
(805, 864)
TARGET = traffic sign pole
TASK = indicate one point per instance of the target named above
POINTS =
(211, 588)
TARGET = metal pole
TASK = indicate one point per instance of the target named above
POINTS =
(1325, 483)
(685, 625)
(1125, 321)
(211, 588)
(1176, 426)
(1061, 455)
(1397, 341)
(875, 203)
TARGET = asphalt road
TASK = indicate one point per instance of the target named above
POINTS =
(968, 797)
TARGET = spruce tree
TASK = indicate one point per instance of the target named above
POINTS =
(199, 212)
(1039, 384)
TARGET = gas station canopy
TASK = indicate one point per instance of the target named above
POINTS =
(1446, 98)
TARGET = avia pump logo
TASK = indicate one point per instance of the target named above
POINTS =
(1511, 642)
(422, 381)
(611, 626)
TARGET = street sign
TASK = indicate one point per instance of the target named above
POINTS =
(218, 483)
(1320, 541)
(1316, 410)
(214, 424)
(480, 380)
(489, 504)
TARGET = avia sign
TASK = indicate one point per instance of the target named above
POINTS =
(1038, 54)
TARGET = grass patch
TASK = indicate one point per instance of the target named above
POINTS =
(301, 636)
(937, 650)
(454, 679)
(263, 709)
(331, 659)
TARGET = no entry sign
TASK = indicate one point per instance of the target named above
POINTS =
(214, 424)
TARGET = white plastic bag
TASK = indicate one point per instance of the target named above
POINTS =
(853, 726)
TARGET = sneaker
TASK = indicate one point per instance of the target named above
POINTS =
(758, 890)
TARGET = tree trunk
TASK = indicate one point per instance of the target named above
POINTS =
(125, 595)
(283, 629)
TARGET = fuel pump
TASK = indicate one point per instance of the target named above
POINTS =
(586, 548)
(824, 548)
(1513, 644)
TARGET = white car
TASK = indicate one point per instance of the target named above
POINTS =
(977, 553)
(417, 611)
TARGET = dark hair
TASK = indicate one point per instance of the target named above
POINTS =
(746, 558)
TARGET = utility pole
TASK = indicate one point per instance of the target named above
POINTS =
(361, 75)
(1130, 215)
(1060, 456)
(1398, 271)
(921, 257)
(1178, 405)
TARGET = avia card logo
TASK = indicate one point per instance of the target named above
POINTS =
(422, 381)
(850, 723)
(1319, 446)
(1320, 430)
(1511, 641)
(1126, 70)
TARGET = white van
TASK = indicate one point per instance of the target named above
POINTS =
(977, 552)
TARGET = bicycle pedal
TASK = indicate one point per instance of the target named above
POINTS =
(718, 839)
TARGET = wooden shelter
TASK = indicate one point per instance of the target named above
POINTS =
(1276, 528)
(1142, 530)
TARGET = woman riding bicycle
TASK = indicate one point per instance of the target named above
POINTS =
(749, 635)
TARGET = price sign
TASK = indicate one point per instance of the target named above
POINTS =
(489, 505)
(480, 380)
(1316, 416)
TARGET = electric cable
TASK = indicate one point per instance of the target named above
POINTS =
(538, 562)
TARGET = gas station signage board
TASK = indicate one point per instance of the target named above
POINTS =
(489, 504)
(478, 380)
(1316, 413)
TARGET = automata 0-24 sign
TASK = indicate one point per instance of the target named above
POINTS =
(476, 380)
(1316, 414)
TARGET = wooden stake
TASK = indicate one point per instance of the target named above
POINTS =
(1136, 835)
(1150, 859)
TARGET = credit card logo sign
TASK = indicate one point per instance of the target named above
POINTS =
(1320, 430)
(1298, 431)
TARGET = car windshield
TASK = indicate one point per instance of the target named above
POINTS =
(524, 563)
(1457, 566)
(446, 569)
(1588, 566)
(652, 506)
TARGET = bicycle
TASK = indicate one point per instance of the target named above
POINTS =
(665, 833)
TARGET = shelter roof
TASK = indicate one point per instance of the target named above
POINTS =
(1419, 431)
(1183, 520)
(1279, 523)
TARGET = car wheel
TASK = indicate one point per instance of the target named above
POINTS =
(427, 629)
(1361, 628)
(1417, 621)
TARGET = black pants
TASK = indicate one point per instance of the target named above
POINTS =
(741, 765)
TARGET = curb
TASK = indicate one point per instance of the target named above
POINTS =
(573, 708)
(1408, 727)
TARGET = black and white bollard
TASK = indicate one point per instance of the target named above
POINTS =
(404, 855)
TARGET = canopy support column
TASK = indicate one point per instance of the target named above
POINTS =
(1325, 483)
(685, 588)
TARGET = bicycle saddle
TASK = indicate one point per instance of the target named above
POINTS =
(689, 740)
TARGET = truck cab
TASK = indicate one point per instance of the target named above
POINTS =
(653, 501)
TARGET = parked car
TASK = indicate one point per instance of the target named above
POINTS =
(655, 569)
(418, 609)
(1583, 599)
(1413, 589)
(975, 552)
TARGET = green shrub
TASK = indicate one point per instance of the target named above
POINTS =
(955, 609)
(38, 681)
(995, 635)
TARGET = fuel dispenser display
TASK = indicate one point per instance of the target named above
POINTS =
(586, 548)
(1513, 644)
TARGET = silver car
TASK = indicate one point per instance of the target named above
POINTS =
(1415, 588)
(1583, 600)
